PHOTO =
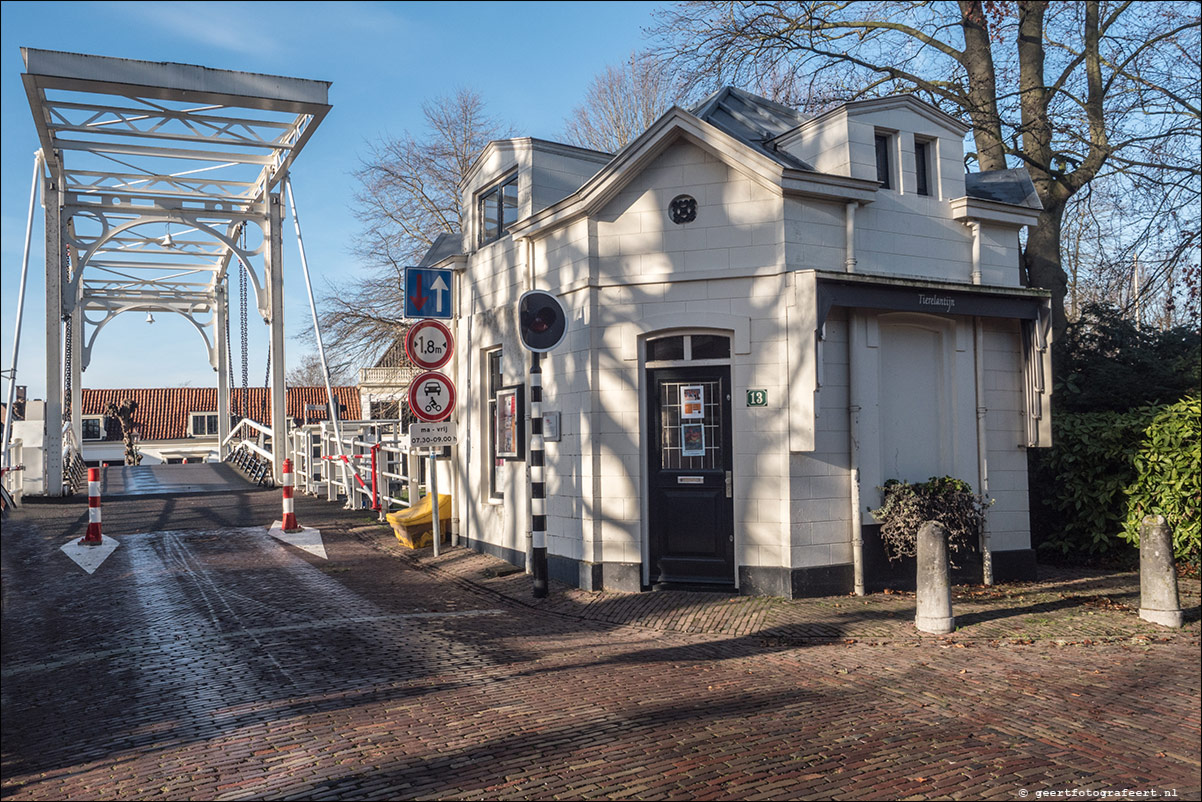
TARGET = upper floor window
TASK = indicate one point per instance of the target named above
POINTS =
(884, 167)
(202, 424)
(922, 165)
(497, 210)
(92, 427)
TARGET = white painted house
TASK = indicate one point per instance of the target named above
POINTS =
(770, 316)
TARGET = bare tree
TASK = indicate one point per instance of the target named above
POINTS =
(1076, 92)
(309, 373)
(622, 102)
(125, 414)
(408, 194)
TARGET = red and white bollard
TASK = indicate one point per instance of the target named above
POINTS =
(93, 538)
(289, 524)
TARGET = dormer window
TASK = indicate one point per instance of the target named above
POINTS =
(922, 165)
(884, 166)
(497, 210)
(92, 427)
(202, 424)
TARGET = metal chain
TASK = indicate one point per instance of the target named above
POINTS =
(229, 363)
(266, 385)
(67, 412)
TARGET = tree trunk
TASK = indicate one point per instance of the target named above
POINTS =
(982, 87)
(1041, 258)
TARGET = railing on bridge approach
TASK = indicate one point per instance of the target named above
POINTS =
(373, 469)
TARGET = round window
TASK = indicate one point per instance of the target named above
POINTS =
(683, 209)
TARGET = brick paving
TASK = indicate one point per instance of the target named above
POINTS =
(206, 660)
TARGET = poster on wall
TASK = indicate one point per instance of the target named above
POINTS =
(692, 402)
(509, 430)
(692, 440)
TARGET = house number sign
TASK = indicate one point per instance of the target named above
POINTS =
(757, 398)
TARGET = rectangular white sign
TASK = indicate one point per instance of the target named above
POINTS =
(433, 435)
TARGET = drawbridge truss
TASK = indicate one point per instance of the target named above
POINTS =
(159, 179)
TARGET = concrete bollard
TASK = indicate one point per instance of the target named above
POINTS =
(1158, 599)
(934, 581)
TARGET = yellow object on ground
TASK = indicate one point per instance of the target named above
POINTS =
(414, 527)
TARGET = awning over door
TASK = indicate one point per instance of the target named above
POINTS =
(819, 292)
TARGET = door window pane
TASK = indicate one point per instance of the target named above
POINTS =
(682, 434)
(710, 346)
(665, 348)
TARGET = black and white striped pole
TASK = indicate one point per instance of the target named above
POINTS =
(538, 484)
(542, 324)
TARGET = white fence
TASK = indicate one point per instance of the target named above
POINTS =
(371, 467)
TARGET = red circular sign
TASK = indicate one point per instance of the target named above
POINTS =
(429, 344)
(432, 397)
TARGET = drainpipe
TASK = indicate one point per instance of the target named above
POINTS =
(982, 445)
(976, 252)
(853, 461)
(849, 237)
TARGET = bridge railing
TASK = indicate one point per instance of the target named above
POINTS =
(249, 448)
(13, 478)
(371, 466)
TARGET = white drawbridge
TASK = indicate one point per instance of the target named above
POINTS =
(157, 181)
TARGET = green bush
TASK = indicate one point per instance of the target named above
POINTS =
(907, 507)
(1168, 481)
(1108, 469)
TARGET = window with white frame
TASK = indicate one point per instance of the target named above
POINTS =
(492, 364)
(924, 151)
(883, 144)
(92, 427)
(202, 424)
(497, 210)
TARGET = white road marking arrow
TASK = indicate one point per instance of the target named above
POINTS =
(308, 539)
(439, 287)
(89, 558)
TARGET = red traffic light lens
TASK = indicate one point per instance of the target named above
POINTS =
(542, 320)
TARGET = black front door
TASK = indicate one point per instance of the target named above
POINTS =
(691, 521)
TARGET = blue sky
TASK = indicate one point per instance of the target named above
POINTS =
(532, 62)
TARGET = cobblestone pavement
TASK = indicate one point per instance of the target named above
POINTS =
(206, 660)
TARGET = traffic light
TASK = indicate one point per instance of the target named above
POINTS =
(542, 321)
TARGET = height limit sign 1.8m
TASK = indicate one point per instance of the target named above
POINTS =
(428, 344)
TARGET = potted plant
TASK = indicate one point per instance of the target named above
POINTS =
(945, 499)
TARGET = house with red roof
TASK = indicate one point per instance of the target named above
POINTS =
(173, 424)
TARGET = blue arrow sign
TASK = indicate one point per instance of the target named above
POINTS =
(428, 293)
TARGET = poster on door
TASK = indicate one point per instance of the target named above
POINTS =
(692, 440)
(692, 402)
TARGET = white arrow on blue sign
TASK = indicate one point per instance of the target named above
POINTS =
(428, 293)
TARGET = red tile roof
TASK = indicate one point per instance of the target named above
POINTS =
(163, 412)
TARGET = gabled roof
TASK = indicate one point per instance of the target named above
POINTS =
(443, 246)
(767, 167)
(164, 412)
(753, 120)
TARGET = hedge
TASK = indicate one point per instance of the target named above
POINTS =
(1109, 469)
